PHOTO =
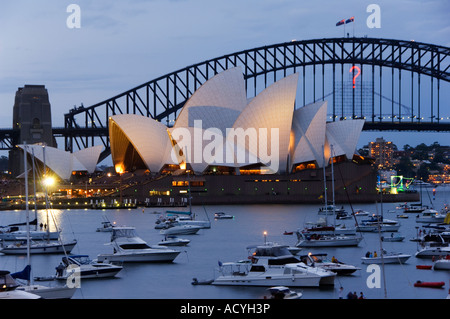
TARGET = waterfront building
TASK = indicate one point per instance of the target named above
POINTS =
(279, 158)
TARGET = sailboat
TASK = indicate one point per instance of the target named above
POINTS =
(25, 245)
(46, 292)
(13, 232)
(309, 239)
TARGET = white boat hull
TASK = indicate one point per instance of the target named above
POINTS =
(341, 242)
(391, 259)
(433, 252)
(139, 257)
(443, 264)
(17, 294)
(42, 248)
(374, 228)
(181, 230)
(34, 235)
(49, 292)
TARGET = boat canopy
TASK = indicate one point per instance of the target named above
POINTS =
(127, 232)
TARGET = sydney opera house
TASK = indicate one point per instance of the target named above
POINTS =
(230, 148)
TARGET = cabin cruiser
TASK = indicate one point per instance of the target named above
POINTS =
(321, 227)
(330, 210)
(320, 260)
(222, 215)
(86, 268)
(128, 247)
(378, 223)
(326, 240)
(433, 251)
(268, 274)
(430, 216)
(272, 265)
(181, 230)
(173, 241)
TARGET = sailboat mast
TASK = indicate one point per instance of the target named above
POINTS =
(26, 205)
(332, 184)
(34, 185)
(325, 185)
(46, 195)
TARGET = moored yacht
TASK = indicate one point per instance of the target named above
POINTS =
(430, 216)
(272, 265)
(320, 260)
(86, 268)
(326, 240)
(378, 223)
(268, 275)
(128, 247)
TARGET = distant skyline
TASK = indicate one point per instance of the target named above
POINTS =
(122, 44)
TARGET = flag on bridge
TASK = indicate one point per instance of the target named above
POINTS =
(352, 19)
(340, 22)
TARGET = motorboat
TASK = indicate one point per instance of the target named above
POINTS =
(330, 210)
(320, 260)
(393, 238)
(276, 253)
(430, 216)
(187, 218)
(181, 230)
(222, 215)
(283, 292)
(174, 241)
(343, 215)
(85, 268)
(433, 251)
(385, 258)
(414, 208)
(41, 247)
(129, 247)
(268, 275)
(107, 226)
(322, 228)
(327, 240)
(8, 288)
(361, 212)
(378, 223)
(442, 264)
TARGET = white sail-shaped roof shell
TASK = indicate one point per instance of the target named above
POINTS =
(148, 137)
(344, 136)
(308, 128)
(213, 117)
(271, 109)
(226, 89)
(62, 163)
(202, 147)
(89, 157)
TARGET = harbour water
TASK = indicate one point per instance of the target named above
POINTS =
(225, 241)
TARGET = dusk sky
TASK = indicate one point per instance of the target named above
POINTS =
(122, 44)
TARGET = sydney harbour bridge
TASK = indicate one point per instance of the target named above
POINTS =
(394, 85)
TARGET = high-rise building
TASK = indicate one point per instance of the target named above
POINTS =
(383, 152)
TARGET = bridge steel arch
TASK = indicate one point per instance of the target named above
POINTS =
(163, 97)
